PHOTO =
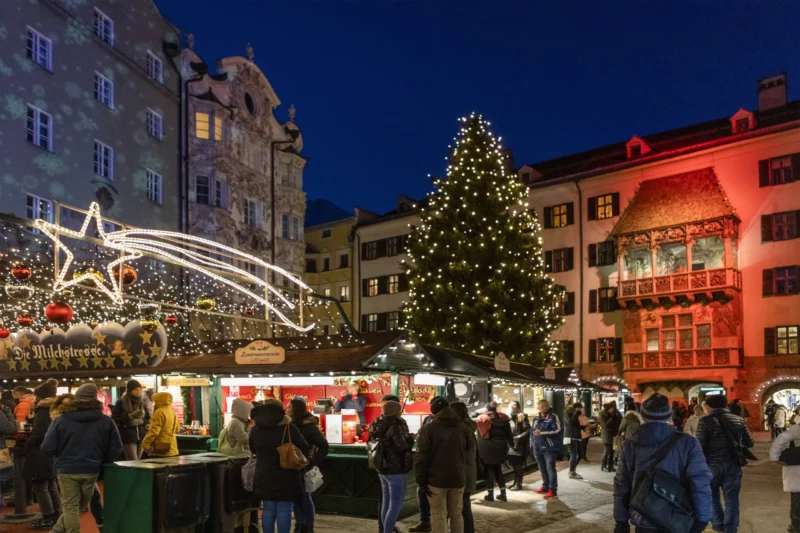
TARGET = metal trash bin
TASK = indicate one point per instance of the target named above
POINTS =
(229, 500)
(163, 495)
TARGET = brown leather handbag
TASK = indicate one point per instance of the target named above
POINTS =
(165, 447)
(291, 456)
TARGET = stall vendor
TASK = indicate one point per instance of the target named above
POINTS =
(353, 400)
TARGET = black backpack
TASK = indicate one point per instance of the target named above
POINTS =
(661, 497)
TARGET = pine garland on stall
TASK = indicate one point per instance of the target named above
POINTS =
(476, 272)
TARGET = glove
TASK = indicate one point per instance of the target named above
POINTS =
(699, 527)
(622, 527)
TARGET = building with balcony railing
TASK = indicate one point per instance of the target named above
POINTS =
(678, 254)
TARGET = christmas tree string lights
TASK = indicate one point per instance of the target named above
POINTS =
(476, 272)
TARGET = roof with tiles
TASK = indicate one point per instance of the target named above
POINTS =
(674, 200)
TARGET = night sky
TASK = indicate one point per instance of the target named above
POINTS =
(379, 84)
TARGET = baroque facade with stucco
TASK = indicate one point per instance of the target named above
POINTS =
(244, 169)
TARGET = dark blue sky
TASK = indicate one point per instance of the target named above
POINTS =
(379, 84)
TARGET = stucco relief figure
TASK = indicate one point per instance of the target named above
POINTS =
(725, 322)
(702, 314)
(632, 328)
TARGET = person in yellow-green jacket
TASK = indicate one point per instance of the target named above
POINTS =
(161, 440)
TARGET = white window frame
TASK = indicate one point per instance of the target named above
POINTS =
(252, 213)
(393, 284)
(208, 185)
(103, 90)
(104, 27)
(155, 124)
(297, 230)
(104, 151)
(36, 208)
(372, 322)
(155, 67)
(39, 48)
(344, 293)
(155, 187)
(33, 125)
(326, 292)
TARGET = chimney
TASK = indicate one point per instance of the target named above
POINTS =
(772, 92)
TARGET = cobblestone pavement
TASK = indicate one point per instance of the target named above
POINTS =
(583, 506)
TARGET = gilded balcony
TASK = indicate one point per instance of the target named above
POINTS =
(695, 285)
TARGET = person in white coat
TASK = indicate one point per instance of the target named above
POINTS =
(781, 417)
(791, 474)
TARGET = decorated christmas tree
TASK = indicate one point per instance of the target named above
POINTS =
(476, 272)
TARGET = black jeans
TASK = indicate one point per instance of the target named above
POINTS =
(48, 496)
(424, 506)
(585, 449)
(574, 454)
(466, 513)
(608, 455)
(728, 478)
(518, 464)
(495, 473)
(794, 512)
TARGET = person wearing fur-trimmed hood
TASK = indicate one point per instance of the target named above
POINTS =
(132, 419)
(234, 438)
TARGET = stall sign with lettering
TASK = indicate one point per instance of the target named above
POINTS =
(184, 381)
(501, 363)
(549, 372)
(260, 353)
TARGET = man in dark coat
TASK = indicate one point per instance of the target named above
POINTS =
(437, 404)
(132, 419)
(494, 441)
(518, 454)
(278, 488)
(685, 461)
(81, 439)
(440, 466)
(373, 428)
(39, 467)
(308, 425)
(610, 419)
(716, 433)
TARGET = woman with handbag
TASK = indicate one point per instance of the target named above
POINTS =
(308, 425)
(161, 440)
(276, 482)
(390, 454)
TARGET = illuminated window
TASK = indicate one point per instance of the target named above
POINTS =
(103, 90)
(372, 322)
(652, 340)
(155, 68)
(605, 208)
(372, 287)
(559, 216)
(154, 124)
(202, 125)
(394, 284)
(344, 293)
(607, 299)
(103, 160)
(154, 187)
(39, 128)
(40, 49)
(606, 350)
(394, 320)
(103, 27)
(217, 128)
(787, 340)
(327, 292)
(39, 208)
(781, 170)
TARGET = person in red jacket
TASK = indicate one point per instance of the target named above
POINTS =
(25, 402)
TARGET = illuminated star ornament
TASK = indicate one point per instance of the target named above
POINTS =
(185, 250)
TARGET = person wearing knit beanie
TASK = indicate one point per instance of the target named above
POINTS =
(132, 419)
(392, 408)
(48, 389)
(86, 392)
(656, 409)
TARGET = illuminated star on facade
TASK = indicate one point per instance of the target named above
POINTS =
(12, 364)
(83, 362)
(146, 337)
(99, 338)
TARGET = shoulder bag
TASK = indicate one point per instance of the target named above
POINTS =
(740, 452)
(312, 480)
(291, 456)
(661, 497)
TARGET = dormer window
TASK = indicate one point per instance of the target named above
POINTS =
(637, 147)
(526, 177)
(743, 121)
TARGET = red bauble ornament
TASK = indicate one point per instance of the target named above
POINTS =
(21, 271)
(128, 274)
(47, 327)
(58, 312)
(171, 320)
(248, 311)
(25, 320)
(4, 333)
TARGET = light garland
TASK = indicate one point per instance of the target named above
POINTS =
(767, 384)
(613, 379)
(131, 247)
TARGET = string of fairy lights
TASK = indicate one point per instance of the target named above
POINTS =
(476, 270)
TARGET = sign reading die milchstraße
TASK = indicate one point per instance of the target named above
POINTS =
(260, 353)
(107, 346)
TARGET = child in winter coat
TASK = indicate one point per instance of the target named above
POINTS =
(791, 474)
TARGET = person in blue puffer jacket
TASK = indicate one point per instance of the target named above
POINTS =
(546, 442)
(685, 460)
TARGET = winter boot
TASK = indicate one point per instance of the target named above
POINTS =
(422, 527)
(502, 496)
(45, 523)
(489, 496)
(575, 475)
